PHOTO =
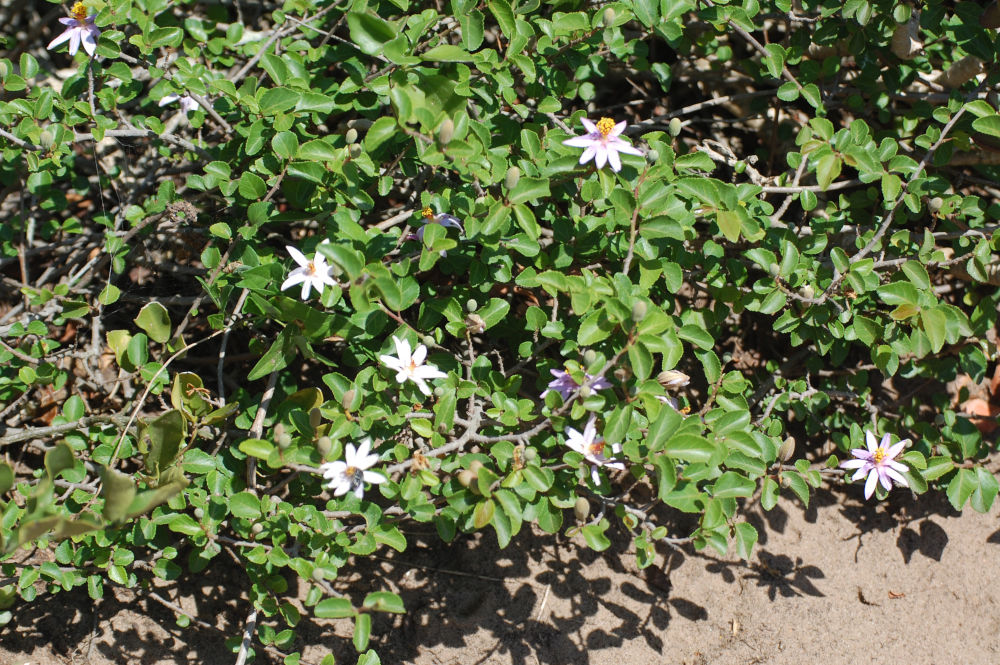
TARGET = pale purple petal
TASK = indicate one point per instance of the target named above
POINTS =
(622, 146)
(90, 40)
(579, 142)
(170, 99)
(589, 126)
(896, 449)
(600, 156)
(60, 39)
(589, 153)
(617, 129)
(902, 468)
(68, 20)
(853, 464)
(860, 473)
(595, 475)
(884, 479)
(861, 453)
(74, 40)
(892, 473)
(871, 441)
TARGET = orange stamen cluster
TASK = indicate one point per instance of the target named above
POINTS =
(879, 455)
(597, 447)
(428, 213)
(605, 125)
(79, 12)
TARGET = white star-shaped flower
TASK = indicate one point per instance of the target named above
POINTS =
(410, 366)
(312, 273)
(351, 473)
(591, 447)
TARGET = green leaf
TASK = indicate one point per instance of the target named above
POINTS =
(58, 459)
(362, 631)
(447, 53)
(276, 357)
(384, 601)
(163, 437)
(661, 429)
(733, 485)
(245, 505)
(528, 189)
(961, 487)
(369, 31)
(983, 497)
(729, 223)
(318, 150)
(252, 186)
(6, 477)
(746, 538)
(934, 322)
(334, 608)
(988, 125)
(278, 100)
(154, 319)
(827, 170)
(697, 336)
(690, 448)
(258, 448)
(118, 491)
(595, 537)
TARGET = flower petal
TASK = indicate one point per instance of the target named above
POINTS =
(618, 129)
(90, 41)
(74, 40)
(306, 285)
(299, 257)
(294, 278)
(853, 464)
(896, 449)
(870, 484)
(600, 156)
(871, 441)
(892, 473)
(588, 154)
(614, 160)
(579, 142)
(589, 126)
(419, 355)
(374, 477)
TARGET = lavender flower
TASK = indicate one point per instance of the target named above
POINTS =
(81, 29)
(444, 219)
(188, 103)
(602, 143)
(591, 447)
(878, 462)
(564, 384)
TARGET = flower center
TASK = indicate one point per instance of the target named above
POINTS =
(879, 455)
(428, 214)
(596, 448)
(605, 125)
(79, 12)
(311, 268)
(413, 366)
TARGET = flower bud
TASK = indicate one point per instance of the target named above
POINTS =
(581, 509)
(807, 291)
(586, 391)
(199, 513)
(438, 392)
(935, 205)
(257, 528)
(324, 445)
(608, 17)
(318, 574)
(671, 378)
(513, 175)
(351, 136)
(589, 357)
(348, 399)
(315, 418)
(471, 305)
(428, 341)
(467, 478)
(475, 324)
(652, 156)
(354, 150)
(530, 454)
(787, 449)
(283, 440)
(638, 311)
(773, 269)
(675, 126)
(446, 132)
(475, 465)
(46, 139)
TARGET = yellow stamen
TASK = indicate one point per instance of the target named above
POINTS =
(79, 12)
(427, 213)
(311, 268)
(605, 125)
(596, 448)
(879, 455)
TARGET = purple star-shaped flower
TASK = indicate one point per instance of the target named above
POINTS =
(878, 462)
(602, 143)
(565, 385)
(81, 30)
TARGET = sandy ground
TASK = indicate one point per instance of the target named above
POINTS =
(908, 581)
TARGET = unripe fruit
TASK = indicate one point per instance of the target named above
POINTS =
(315, 418)
(787, 449)
(348, 399)
(428, 340)
(467, 478)
(198, 513)
(935, 204)
(581, 509)
(46, 139)
(675, 126)
(475, 465)
(354, 150)
(652, 156)
(608, 17)
(471, 305)
(512, 177)
(589, 357)
(318, 574)
(284, 440)
(638, 311)
(438, 392)
(807, 291)
(351, 136)
(671, 378)
(530, 454)
(324, 446)
(446, 132)
(257, 528)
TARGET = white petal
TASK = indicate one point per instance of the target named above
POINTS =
(614, 160)
(170, 99)
(588, 154)
(621, 146)
(870, 483)
(374, 477)
(342, 488)
(428, 372)
(359, 491)
(294, 278)
(600, 156)
(362, 451)
(892, 473)
(306, 285)
(391, 362)
(89, 42)
(60, 39)
(871, 441)
(74, 40)
(860, 473)
(853, 464)
(419, 354)
(402, 350)
(617, 129)
(299, 257)
(579, 142)
(589, 126)
(424, 388)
